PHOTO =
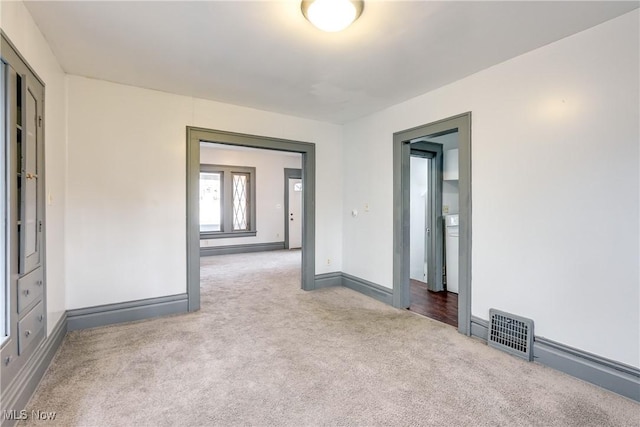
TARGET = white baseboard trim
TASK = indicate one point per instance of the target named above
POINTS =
(16, 396)
(609, 374)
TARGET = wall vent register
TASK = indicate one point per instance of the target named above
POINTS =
(511, 333)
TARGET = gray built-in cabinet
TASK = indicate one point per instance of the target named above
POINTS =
(23, 292)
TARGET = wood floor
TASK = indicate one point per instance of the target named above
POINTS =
(441, 306)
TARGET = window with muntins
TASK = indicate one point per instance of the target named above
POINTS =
(227, 201)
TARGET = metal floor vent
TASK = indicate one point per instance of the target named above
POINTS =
(511, 333)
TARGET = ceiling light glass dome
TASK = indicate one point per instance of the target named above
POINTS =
(332, 15)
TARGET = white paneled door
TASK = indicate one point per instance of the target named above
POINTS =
(295, 213)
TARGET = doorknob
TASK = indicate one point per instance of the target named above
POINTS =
(428, 230)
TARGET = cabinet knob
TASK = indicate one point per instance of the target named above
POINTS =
(39, 283)
(41, 317)
(26, 292)
(27, 333)
(8, 360)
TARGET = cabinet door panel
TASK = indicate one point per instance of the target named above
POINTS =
(30, 250)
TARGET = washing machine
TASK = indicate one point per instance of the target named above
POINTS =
(452, 227)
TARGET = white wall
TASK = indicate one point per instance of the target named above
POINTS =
(270, 167)
(450, 188)
(555, 159)
(450, 197)
(19, 27)
(126, 210)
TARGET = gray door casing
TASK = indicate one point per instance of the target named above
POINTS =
(196, 135)
(401, 211)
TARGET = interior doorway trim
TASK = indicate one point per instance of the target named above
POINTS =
(289, 173)
(308, 150)
(401, 211)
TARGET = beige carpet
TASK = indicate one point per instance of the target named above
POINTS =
(262, 352)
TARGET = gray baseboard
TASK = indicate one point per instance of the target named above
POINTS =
(16, 396)
(368, 288)
(328, 280)
(479, 328)
(365, 287)
(606, 373)
(91, 317)
(241, 249)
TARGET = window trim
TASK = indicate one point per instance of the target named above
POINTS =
(226, 214)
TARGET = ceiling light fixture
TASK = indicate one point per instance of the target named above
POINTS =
(332, 15)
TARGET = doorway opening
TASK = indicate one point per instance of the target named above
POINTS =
(241, 210)
(432, 221)
(236, 212)
(433, 277)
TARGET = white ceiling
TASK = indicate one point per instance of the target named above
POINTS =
(265, 55)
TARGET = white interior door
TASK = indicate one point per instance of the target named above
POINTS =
(295, 213)
(418, 219)
(427, 220)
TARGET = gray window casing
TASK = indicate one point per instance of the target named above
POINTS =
(227, 202)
